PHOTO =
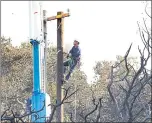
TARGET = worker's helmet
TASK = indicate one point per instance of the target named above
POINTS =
(77, 41)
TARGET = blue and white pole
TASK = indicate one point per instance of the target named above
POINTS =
(39, 99)
(36, 66)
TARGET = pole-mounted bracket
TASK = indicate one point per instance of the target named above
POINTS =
(34, 41)
(59, 16)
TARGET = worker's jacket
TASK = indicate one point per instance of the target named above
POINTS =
(75, 52)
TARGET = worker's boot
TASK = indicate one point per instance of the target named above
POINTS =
(68, 76)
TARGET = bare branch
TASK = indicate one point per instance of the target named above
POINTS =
(22, 116)
(71, 118)
(66, 96)
(5, 111)
(110, 84)
(136, 115)
(146, 11)
(96, 107)
(99, 110)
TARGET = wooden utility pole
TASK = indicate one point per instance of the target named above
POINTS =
(60, 17)
(75, 104)
(59, 67)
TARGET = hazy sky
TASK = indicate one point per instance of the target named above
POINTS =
(104, 28)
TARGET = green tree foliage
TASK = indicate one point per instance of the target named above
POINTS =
(102, 70)
(16, 74)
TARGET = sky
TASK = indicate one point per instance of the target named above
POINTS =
(104, 28)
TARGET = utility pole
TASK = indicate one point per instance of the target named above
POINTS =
(75, 104)
(60, 17)
(59, 67)
(45, 48)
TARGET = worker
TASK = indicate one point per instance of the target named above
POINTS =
(75, 54)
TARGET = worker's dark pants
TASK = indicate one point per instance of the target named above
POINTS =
(71, 65)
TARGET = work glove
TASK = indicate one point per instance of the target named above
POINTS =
(68, 55)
